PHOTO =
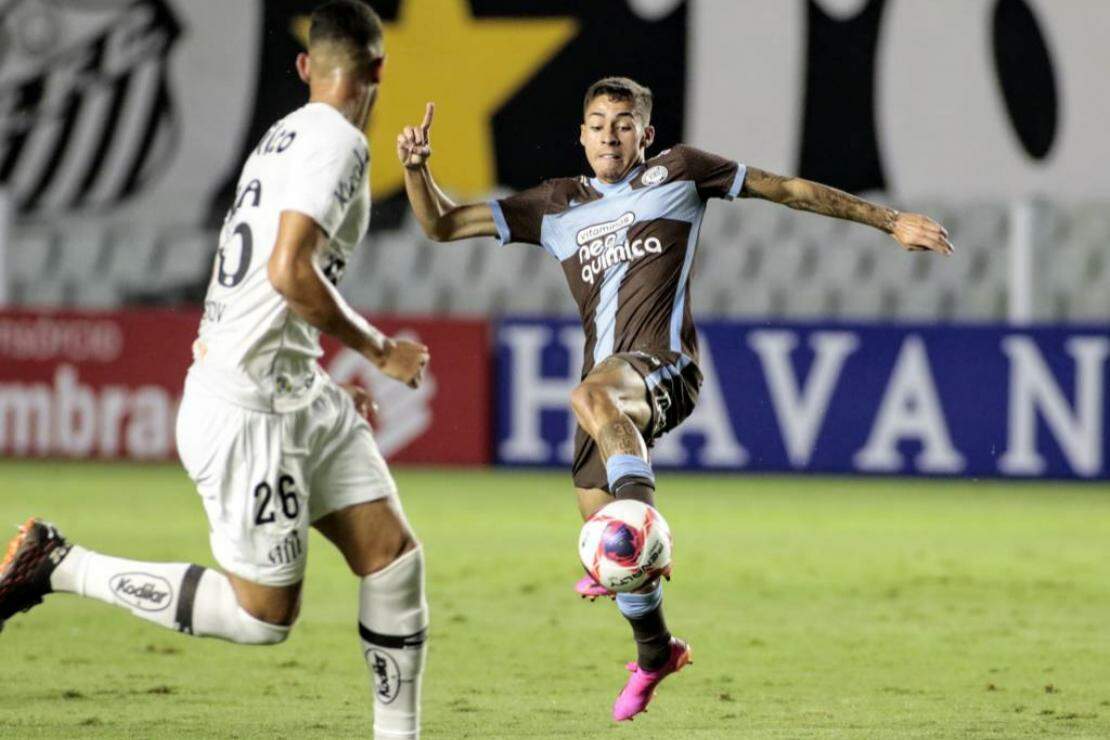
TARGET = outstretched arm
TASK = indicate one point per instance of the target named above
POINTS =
(913, 231)
(441, 218)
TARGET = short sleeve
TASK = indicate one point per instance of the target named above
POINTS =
(715, 176)
(325, 177)
(520, 217)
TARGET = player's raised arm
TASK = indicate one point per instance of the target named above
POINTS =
(913, 231)
(441, 218)
(295, 275)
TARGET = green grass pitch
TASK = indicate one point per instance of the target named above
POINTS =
(816, 607)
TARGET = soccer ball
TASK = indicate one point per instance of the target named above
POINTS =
(625, 545)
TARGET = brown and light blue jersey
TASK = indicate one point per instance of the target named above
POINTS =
(627, 248)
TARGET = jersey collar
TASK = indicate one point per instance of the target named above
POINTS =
(606, 188)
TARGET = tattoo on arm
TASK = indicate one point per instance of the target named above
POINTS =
(762, 184)
(838, 204)
(814, 197)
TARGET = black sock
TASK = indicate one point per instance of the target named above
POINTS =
(653, 639)
(635, 487)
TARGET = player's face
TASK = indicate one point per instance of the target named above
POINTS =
(614, 137)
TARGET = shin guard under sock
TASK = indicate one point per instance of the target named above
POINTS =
(392, 624)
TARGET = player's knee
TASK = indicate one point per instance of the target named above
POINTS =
(250, 630)
(579, 401)
(276, 605)
(392, 550)
(588, 400)
(378, 552)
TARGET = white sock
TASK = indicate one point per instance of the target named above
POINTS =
(392, 621)
(180, 596)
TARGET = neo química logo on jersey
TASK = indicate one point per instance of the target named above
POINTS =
(601, 246)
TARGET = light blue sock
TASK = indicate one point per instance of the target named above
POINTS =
(627, 466)
(634, 606)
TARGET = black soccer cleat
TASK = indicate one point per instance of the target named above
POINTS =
(32, 556)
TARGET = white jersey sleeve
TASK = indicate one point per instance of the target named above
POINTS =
(327, 172)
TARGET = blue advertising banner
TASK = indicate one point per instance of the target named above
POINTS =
(978, 401)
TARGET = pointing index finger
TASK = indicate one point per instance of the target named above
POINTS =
(429, 111)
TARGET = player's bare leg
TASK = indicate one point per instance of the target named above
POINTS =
(185, 597)
(274, 604)
(600, 403)
(590, 500)
(382, 551)
(611, 406)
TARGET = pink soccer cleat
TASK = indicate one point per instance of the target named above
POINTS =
(590, 589)
(640, 688)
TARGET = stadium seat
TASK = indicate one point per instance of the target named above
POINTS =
(131, 257)
(49, 271)
(32, 254)
(361, 267)
(395, 261)
(754, 260)
(416, 296)
(80, 257)
(454, 262)
(184, 258)
(857, 305)
(98, 294)
(47, 293)
(1091, 302)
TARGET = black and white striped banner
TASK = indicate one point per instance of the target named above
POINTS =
(87, 116)
(143, 109)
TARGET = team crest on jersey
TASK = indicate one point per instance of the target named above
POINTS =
(89, 119)
(654, 176)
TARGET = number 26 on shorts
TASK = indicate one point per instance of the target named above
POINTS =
(266, 505)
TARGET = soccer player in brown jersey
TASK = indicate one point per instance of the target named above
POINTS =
(625, 239)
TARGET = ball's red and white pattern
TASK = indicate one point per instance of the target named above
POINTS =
(625, 545)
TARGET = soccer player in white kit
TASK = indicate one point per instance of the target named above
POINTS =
(271, 442)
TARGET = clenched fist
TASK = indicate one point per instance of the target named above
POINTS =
(403, 360)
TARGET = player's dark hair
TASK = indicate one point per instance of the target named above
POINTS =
(348, 22)
(622, 88)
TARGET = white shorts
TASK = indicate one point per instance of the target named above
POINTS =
(264, 478)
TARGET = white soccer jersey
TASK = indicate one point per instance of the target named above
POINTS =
(252, 349)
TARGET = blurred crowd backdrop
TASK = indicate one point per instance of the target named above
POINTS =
(123, 124)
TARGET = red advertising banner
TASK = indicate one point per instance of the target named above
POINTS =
(106, 385)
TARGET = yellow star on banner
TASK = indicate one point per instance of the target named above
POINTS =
(437, 51)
